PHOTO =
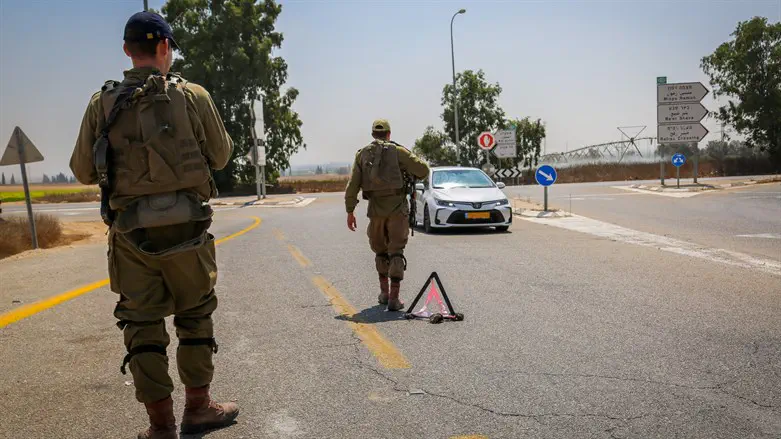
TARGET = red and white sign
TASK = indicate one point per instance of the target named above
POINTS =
(486, 141)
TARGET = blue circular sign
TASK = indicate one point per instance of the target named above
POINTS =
(679, 160)
(545, 175)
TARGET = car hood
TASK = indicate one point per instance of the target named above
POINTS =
(469, 195)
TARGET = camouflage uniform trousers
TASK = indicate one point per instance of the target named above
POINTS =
(388, 237)
(154, 287)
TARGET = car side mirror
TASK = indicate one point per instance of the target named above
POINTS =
(500, 185)
(420, 187)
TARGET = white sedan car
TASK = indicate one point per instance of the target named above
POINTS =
(461, 197)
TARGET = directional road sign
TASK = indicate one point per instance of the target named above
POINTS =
(661, 80)
(679, 160)
(680, 92)
(486, 141)
(19, 140)
(677, 113)
(507, 173)
(505, 144)
(545, 175)
(681, 133)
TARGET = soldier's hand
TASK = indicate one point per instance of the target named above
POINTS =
(351, 223)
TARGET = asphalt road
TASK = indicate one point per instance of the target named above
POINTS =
(568, 334)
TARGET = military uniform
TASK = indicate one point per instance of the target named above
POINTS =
(379, 172)
(161, 257)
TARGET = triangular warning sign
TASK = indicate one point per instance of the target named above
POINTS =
(20, 141)
(436, 307)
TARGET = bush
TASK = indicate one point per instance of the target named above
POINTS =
(15, 234)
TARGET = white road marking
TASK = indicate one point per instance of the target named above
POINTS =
(762, 235)
(686, 194)
(622, 234)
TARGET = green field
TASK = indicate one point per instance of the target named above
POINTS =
(10, 194)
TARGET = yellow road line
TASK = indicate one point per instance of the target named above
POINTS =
(385, 352)
(34, 308)
(298, 256)
(240, 232)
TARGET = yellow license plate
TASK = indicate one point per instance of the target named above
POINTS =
(478, 215)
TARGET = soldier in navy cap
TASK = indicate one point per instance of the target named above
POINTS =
(164, 136)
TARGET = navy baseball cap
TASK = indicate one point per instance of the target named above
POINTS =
(143, 26)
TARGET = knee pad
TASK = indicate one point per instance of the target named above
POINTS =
(211, 342)
(396, 256)
(141, 349)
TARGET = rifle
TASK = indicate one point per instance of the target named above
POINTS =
(413, 205)
(409, 181)
(101, 150)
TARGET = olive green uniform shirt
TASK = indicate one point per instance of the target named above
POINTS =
(384, 206)
(216, 144)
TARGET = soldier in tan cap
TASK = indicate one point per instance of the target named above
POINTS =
(379, 171)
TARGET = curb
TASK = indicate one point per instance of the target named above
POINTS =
(293, 202)
(541, 213)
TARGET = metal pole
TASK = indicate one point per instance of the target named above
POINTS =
(678, 175)
(257, 171)
(696, 160)
(263, 181)
(455, 87)
(546, 198)
(23, 161)
(661, 162)
(146, 5)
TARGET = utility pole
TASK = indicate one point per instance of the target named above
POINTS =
(455, 89)
(146, 5)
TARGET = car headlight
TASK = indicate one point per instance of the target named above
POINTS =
(502, 202)
(444, 203)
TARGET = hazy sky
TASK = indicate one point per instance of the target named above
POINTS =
(584, 67)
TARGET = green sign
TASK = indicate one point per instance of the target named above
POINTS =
(660, 80)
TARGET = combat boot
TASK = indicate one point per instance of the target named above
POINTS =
(201, 413)
(394, 303)
(384, 291)
(162, 423)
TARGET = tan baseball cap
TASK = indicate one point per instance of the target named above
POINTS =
(381, 125)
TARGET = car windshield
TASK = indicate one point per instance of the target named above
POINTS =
(469, 178)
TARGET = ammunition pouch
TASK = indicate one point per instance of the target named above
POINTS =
(159, 210)
(368, 195)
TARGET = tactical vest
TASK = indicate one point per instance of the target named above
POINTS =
(160, 177)
(381, 173)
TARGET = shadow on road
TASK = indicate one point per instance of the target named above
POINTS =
(205, 433)
(462, 231)
(375, 314)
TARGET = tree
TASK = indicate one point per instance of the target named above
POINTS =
(319, 170)
(46, 179)
(227, 49)
(12, 179)
(435, 147)
(528, 140)
(2, 182)
(478, 111)
(747, 70)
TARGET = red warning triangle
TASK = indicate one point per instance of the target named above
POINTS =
(436, 307)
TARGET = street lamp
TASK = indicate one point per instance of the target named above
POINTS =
(455, 89)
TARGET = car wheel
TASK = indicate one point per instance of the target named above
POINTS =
(502, 228)
(427, 221)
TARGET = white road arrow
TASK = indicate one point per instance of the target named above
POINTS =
(547, 176)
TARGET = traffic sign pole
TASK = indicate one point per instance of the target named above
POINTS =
(678, 175)
(26, 188)
(696, 148)
(546, 198)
